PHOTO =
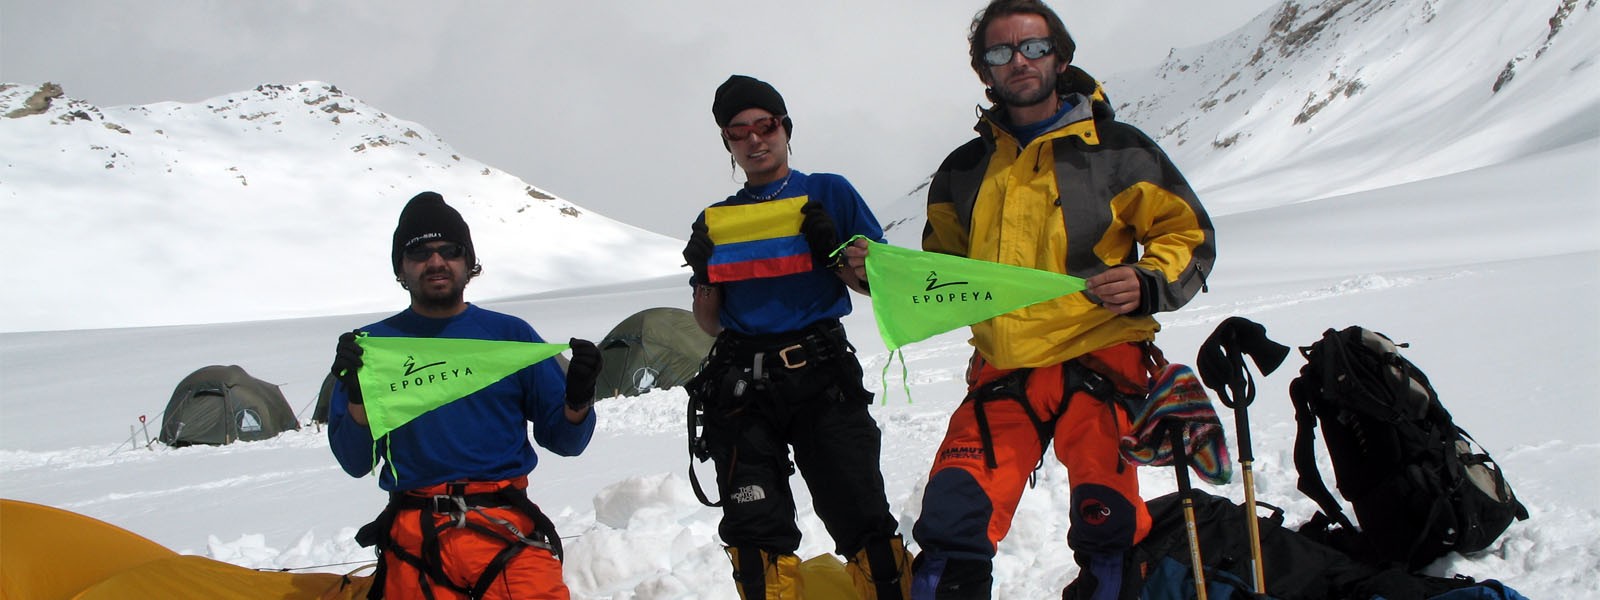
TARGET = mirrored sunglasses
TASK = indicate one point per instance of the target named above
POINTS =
(450, 251)
(1032, 49)
(761, 126)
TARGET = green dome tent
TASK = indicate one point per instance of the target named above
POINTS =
(320, 413)
(219, 405)
(656, 348)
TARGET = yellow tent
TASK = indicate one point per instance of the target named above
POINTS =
(201, 577)
(51, 554)
(824, 577)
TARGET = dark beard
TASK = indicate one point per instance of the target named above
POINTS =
(423, 296)
(1011, 98)
(447, 299)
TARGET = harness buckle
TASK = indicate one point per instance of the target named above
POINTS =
(784, 354)
(455, 506)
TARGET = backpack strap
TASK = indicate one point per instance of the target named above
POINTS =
(1302, 392)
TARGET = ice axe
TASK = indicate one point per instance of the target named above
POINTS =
(1222, 368)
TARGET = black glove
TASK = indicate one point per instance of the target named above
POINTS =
(346, 359)
(698, 252)
(821, 234)
(581, 373)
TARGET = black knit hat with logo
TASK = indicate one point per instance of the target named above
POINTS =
(740, 92)
(426, 218)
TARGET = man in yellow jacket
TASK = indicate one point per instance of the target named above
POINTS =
(1052, 182)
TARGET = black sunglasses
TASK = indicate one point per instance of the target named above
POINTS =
(450, 251)
(761, 126)
(1032, 49)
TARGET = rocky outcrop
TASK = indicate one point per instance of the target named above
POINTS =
(38, 103)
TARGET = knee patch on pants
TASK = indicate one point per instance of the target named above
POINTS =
(1103, 521)
(955, 518)
(951, 579)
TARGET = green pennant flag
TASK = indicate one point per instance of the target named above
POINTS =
(917, 295)
(402, 378)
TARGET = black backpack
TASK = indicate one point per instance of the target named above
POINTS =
(1420, 485)
(1296, 567)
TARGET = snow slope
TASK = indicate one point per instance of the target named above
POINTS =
(231, 197)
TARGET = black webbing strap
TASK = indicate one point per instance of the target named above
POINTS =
(752, 572)
(697, 446)
(456, 503)
(1305, 456)
(884, 566)
(1013, 386)
(1076, 377)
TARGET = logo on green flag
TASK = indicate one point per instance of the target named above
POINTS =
(402, 378)
(917, 295)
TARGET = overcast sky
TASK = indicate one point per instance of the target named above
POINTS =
(606, 104)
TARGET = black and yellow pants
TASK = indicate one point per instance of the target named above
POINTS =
(776, 394)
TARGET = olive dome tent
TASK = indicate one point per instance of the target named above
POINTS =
(656, 348)
(219, 405)
(320, 413)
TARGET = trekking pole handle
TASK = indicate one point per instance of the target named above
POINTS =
(1241, 426)
(1243, 388)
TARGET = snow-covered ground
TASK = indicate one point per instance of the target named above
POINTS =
(1491, 274)
(1499, 310)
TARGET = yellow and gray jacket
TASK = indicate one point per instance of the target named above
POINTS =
(1090, 194)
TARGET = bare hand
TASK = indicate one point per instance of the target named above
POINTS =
(1117, 288)
(855, 257)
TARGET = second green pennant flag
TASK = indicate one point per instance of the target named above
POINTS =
(917, 295)
(402, 378)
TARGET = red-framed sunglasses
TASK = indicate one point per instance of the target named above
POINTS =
(761, 126)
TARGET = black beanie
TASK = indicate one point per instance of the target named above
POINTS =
(740, 92)
(427, 218)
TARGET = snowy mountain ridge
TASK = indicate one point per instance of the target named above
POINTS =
(1318, 99)
(210, 174)
(1330, 97)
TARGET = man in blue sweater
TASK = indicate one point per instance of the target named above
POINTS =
(459, 523)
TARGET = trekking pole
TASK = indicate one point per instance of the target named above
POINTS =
(1180, 461)
(1223, 369)
(1241, 419)
(146, 433)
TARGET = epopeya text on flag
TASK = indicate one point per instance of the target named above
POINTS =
(917, 295)
(402, 378)
(759, 240)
